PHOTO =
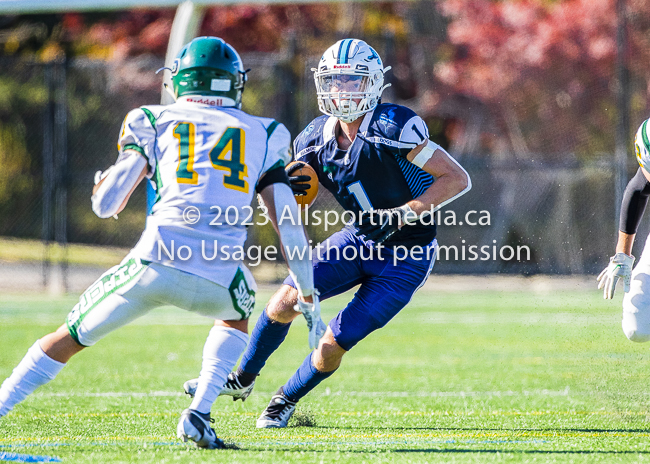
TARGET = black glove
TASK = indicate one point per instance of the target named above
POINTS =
(297, 183)
(379, 225)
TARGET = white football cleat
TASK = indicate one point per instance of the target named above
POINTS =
(190, 387)
(277, 413)
(231, 388)
(193, 426)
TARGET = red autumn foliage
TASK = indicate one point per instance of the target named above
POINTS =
(551, 64)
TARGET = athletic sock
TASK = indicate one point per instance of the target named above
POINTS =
(245, 378)
(267, 336)
(304, 380)
(205, 417)
(35, 369)
(220, 354)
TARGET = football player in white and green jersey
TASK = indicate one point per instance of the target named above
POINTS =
(636, 282)
(206, 159)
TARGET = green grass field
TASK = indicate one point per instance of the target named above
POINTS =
(474, 377)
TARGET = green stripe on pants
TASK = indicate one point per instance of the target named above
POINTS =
(100, 290)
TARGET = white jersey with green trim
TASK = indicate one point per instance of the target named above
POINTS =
(204, 162)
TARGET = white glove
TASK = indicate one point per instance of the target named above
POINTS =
(620, 267)
(311, 311)
(99, 175)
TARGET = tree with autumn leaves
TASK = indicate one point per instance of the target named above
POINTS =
(502, 79)
(546, 69)
(526, 77)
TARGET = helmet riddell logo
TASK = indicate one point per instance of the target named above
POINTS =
(206, 101)
(342, 66)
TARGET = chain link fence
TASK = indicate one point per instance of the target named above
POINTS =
(59, 124)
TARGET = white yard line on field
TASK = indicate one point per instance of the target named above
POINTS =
(328, 392)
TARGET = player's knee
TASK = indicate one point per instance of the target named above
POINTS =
(634, 332)
(241, 325)
(636, 324)
(329, 354)
(635, 335)
(280, 307)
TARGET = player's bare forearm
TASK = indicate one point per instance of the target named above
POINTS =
(624, 243)
(451, 180)
(445, 187)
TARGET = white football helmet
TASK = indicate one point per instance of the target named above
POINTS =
(349, 80)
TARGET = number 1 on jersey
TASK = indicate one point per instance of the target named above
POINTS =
(185, 174)
(359, 193)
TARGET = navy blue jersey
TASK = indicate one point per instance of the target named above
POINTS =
(374, 172)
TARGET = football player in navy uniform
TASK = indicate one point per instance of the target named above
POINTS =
(379, 164)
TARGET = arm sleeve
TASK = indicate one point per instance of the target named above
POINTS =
(293, 239)
(119, 182)
(634, 202)
(138, 133)
(277, 148)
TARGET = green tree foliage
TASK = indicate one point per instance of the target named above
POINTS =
(21, 101)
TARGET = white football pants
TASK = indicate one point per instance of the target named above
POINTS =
(133, 288)
(636, 303)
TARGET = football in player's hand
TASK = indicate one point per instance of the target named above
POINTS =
(304, 182)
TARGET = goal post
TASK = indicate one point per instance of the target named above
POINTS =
(185, 27)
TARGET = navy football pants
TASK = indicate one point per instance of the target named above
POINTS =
(344, 261)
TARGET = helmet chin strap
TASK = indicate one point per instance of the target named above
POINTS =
(349, 105)
(169, 91)
(352, 108)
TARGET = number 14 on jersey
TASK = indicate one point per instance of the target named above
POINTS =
(232, 141)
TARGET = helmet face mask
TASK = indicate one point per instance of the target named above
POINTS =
(349, 80)
(209, 66)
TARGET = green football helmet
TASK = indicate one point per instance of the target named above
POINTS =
(209, 66)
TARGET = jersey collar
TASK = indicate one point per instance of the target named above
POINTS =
(329, 130)
(363, 128)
